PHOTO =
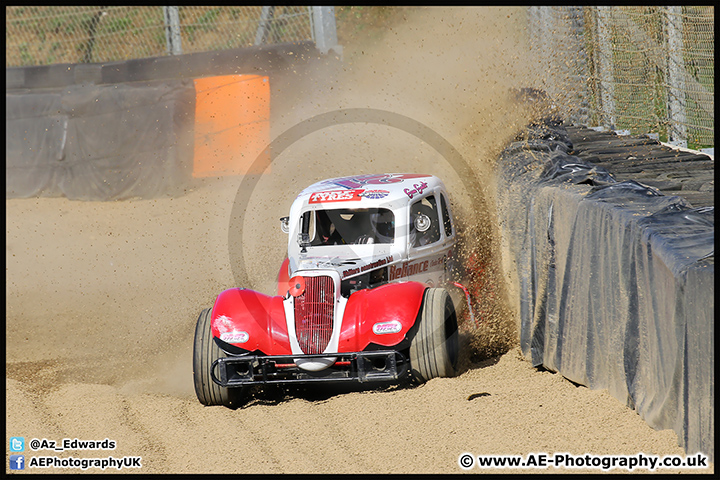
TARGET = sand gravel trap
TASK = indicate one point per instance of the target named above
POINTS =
(102, 298)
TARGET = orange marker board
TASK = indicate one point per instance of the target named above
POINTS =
(232, 124)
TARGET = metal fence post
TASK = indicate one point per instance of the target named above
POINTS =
(324, 29)
(677, 128)
(605, 65)
(545, 49)
(266, 17)
(579, 63)
(172, 30)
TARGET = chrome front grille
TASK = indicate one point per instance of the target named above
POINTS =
(314, 314)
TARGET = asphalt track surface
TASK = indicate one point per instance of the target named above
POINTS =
(102, 297)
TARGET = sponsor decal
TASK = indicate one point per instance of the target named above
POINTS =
(350, 271)
(368, 266)
(383, 328)
(417, 189)
(234, 337)
(438, 261)
(362, 180)
(335, 196)
(406, 269)
(375, 194)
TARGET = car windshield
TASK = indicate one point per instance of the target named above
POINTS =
(345, 226)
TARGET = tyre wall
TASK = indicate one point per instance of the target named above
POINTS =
(615, 282)
(98, 142)
(140, 128)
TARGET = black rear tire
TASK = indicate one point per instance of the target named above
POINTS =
(434, 348)
(205, 352)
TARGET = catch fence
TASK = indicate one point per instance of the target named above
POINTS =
(36, 35)
(644, 69)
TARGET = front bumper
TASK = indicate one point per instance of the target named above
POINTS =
(374, 366)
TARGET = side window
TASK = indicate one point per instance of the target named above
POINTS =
(424, 222)
(446, 216)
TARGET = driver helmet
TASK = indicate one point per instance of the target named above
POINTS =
(382, 224)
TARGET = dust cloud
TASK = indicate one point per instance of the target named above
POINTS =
(102, 297)
(450, 70)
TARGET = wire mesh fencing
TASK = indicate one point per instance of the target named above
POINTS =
(636, 68)
(645, 69)
(41, 35)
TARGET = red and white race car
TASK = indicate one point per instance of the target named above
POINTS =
(362, 295)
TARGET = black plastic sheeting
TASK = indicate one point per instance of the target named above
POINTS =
(616, 283)
(107, 142)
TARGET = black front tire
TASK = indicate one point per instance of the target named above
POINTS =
(205, 352)
(434, 348)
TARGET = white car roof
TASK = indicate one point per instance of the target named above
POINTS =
(368, 190)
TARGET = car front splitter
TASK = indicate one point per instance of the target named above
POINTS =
(374, 366)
